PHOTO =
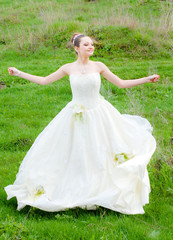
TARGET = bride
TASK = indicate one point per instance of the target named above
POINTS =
(89, 155)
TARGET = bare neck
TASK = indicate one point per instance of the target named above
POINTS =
(83, 60)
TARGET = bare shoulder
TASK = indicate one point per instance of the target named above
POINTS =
(101, 66)
(67, 68)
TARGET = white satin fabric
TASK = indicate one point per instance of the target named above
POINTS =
(89, 155)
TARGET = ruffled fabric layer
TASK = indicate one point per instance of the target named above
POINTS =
(87, 158)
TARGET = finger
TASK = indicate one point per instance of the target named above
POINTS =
(154, 79)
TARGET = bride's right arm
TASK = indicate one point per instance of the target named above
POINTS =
(61, 72)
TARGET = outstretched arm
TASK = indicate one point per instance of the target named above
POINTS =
(37, 79)
(125, 83)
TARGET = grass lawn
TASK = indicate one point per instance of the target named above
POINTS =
(35, 39)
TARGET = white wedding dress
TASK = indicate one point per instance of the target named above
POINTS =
(89, 155)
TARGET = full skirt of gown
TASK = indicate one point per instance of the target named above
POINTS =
(89, 155)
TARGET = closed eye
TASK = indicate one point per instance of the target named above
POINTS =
(86, 44)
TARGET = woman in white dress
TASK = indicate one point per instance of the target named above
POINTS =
(89, 155)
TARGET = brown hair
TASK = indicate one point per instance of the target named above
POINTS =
(77, 39)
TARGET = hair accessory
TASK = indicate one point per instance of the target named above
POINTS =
(76, 37)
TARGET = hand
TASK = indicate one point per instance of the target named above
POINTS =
(153, 78)
(14, 71)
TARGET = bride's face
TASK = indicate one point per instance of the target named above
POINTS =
(86, 47)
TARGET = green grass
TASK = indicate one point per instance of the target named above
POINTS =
(133, 38)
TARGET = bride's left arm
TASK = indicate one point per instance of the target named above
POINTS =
(104, 70)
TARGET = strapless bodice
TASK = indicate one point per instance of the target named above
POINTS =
(86, 89)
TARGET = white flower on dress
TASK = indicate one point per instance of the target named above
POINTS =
(78, 111)
(39, 190)
(122, 157)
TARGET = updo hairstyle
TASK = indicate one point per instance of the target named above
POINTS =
(76, 41)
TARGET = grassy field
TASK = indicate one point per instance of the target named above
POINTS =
(134, 39)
